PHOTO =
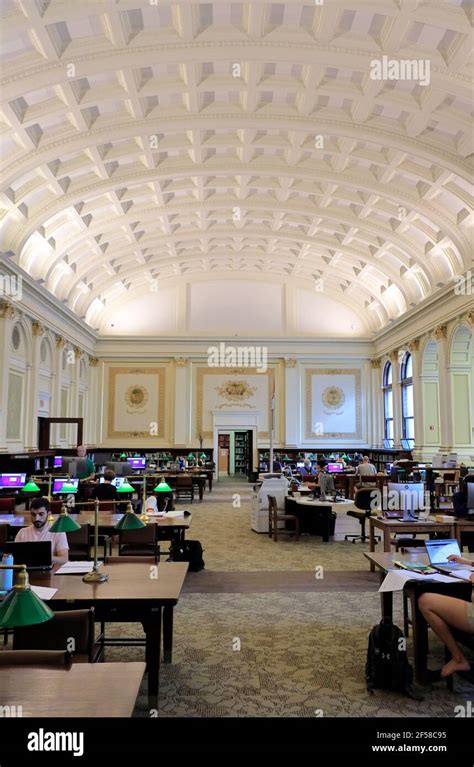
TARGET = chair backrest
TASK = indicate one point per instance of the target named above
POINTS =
(108, 506)
(79, 537)
(183, 482)
(7, 505)
(56, 634)
(34, 658)
(141, 535)
(272, 503)
(56, 506)
(364, 498)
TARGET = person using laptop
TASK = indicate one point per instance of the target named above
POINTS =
(441, 612)
(39, 531)
(106, 491)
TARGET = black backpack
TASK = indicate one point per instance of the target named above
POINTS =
(387, 664)
(188, 551)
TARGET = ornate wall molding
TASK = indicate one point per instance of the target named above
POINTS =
(394, 355)
(7, 310)
(37, 328)
(60, 342)
(470, 317)
(290, 362)
(93, 362)
(440, 332)
(181, 362)
(375, 363)
(414, 346)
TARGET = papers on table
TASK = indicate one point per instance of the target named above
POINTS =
(464, 575)
(43, 592)
(76, 568)
(175, 514)
(152, 513)
(396, 579)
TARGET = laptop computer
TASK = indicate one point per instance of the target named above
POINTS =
(36, 555)
(438, 552)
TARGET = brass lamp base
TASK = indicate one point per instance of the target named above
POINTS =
(95, 577)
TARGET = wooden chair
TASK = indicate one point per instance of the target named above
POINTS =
(274, 517)
(7, 505)
(184, 486)
(80, 543)
(139, 543)
(130, 561)
(56, 634)
(34, 658)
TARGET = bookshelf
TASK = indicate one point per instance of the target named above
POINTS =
(241, 452)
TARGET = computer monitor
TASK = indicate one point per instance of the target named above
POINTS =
(12, 480)
(335, 467)
(120, 468)
(59, 483)
(300, 465)
(405, 497)
(58, 462)
(116, 482)
(326, 485)
(137, 463)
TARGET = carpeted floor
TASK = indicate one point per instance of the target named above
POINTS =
(257, 634)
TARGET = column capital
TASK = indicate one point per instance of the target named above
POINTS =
(394, 355)
(77, 352)
(7, 310)
(290, 362)
(93, 362)
(181, 362)
(440, 332)
(60, 342)
(470, 317)
(37, 328)
(375, 363)
(414, 345)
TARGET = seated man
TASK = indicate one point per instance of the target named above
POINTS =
(307, 469)
(39, 531)
(441, 612)
(106, 491)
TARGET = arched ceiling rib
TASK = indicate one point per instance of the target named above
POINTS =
(177, 140)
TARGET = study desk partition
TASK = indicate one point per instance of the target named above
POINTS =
(414, 589)
(131, 595)
(80, 690)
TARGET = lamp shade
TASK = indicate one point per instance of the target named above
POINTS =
(129, 521)
(163, 487)
(30, 487)
(125, 488)
(64, 523)
(21, 606)
(203, 456)
(123, 455)
(191, 457)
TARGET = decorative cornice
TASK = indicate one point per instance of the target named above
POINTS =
(93, 362)
(440, 332)
(375, 363)
(180, 362)
(7, 310)
(37, 328)
(290, 362)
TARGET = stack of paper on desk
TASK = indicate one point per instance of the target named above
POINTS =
(76, 568)
(43, 592)
(396, 579)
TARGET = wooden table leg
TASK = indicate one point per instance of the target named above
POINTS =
(152, 655)
(168, 634)
(386, 540)
(371, 542)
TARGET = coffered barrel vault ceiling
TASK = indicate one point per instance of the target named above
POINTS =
(151, 144)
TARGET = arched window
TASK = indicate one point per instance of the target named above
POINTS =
(388, 405)
(408, 420)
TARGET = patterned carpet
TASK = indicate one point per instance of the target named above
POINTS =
(240, 651)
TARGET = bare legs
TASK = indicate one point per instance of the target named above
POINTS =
(441, 612)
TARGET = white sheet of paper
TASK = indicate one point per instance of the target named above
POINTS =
(396, 579)
(464, 575)
(76, 568)
(43, 592)
(175, 514)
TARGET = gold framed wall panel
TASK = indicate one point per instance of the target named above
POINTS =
(333, 372)
(154, 414)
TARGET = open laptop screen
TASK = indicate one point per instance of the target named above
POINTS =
(12, 480)
(33, 554)
(439, 551)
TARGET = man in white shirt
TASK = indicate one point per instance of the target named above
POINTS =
(39, 531)
(366, 469)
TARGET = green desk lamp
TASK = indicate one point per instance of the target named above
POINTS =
(21, 606)
(163, 487)
(30, 487)
(64, 523)
(129, 521)
(126, 487)
(203, 457)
